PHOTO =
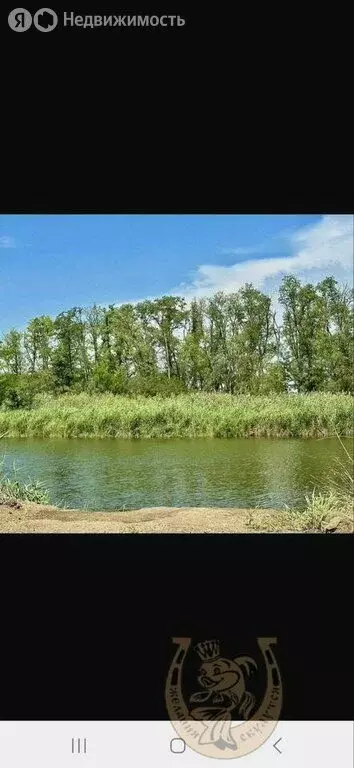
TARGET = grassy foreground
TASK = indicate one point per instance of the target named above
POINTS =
(192, 415)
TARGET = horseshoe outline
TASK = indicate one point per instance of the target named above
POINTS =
(249, 737)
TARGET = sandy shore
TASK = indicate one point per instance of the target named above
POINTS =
(35, 518)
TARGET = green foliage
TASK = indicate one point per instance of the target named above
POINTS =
(273, 380)
(317, 334)
(332, 506)
(11, 491)
(229, 343)
(182, 415)
(37, 343)
(20, 391)
(157, 385)
(11, 352)
(105, 379)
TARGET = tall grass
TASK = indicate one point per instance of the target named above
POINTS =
(329, 508)
(191, 415)
(13, 491)
(333, 504)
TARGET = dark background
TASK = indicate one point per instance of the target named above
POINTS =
(87, 621)
(237, 111)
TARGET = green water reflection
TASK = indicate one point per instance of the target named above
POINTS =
(115, 474)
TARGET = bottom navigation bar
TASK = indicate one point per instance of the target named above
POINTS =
(157, 744)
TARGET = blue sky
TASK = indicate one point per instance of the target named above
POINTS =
(51, 263)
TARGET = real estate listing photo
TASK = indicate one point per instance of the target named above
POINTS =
(176, 373)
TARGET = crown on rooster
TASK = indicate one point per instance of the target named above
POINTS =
(209, 649)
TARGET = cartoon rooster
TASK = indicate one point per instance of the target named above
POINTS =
(225, 692)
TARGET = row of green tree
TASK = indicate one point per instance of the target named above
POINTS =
(230, 343)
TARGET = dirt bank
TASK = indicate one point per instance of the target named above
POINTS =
(35, 518)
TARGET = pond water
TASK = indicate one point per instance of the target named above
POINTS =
(108, 474)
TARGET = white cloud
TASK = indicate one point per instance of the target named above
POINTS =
(316, 251)
(7, 242)
(241, 251)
